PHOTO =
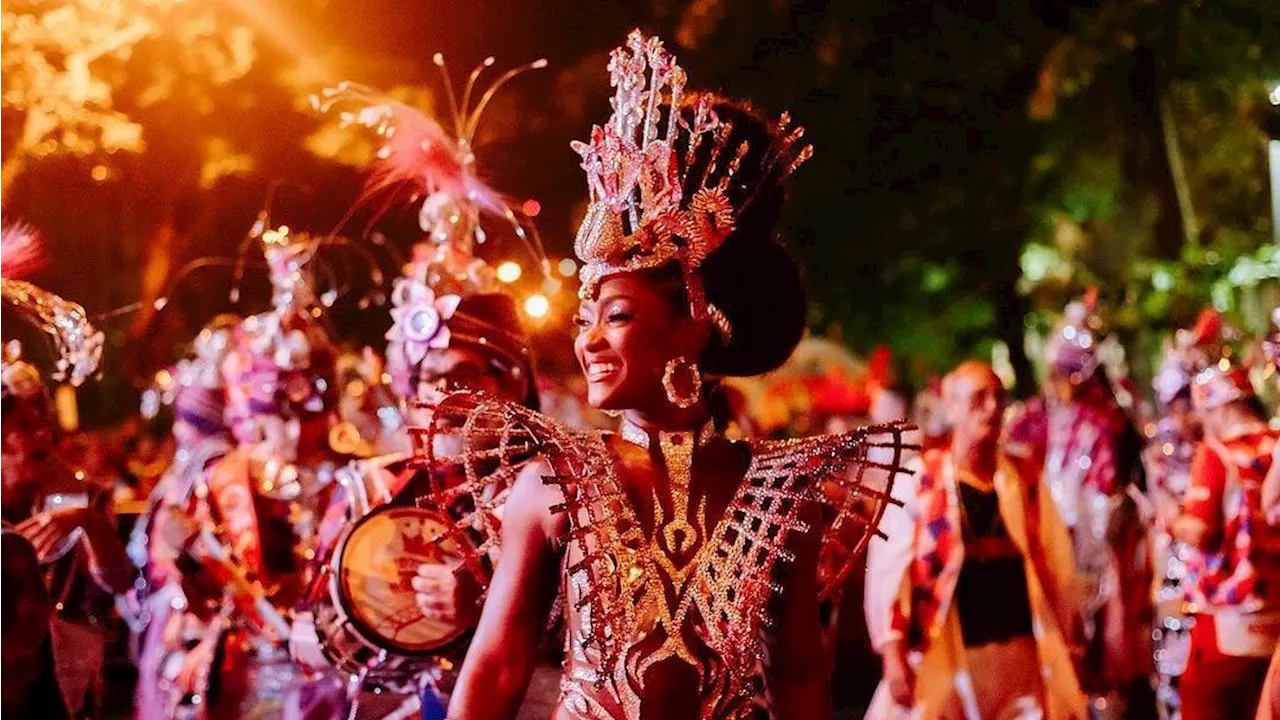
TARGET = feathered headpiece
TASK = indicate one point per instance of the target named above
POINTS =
(447, 295)
(282, 357)
(420, 160)
(1190, 352)
(77, 345)
(1072, 350)
(644, 212)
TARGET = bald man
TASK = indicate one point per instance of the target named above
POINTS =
(970, 600)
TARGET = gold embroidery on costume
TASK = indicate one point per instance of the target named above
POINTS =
(632, 601)
(472, 449)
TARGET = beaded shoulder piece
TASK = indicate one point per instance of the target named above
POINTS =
(638, 610)
(725, 594)
(472, 449)
(853, 475)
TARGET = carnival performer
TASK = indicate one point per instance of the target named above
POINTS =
(29, 681)
(265, 499)
(1167, 461)
(480, 346)
(672, 543)
(469, 340)
(1236, 592)
(1269, 705)
(453, 327)
(973, 600)
(64, 517)
(1091, 451)
(167, 673)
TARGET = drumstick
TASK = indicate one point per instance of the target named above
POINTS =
(405, 710)
(241, 588)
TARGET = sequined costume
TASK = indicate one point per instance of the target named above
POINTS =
(1167, 461)
(669, 612)
(1090, 452)
(167, 631)
(452, 325)
(232, 543)
(81, 565)
(1236, 570)
(700, 594)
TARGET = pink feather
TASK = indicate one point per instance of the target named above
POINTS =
(21, 251)
(418, 153)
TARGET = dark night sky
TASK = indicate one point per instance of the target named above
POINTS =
(917, 111)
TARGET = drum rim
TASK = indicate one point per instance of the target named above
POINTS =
(358, 625)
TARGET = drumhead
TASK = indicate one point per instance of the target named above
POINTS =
(376, 566)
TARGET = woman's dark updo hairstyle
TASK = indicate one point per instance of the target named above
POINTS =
(751, 278)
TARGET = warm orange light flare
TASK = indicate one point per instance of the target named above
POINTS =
(537, 306)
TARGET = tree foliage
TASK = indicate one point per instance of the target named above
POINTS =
(977, 163)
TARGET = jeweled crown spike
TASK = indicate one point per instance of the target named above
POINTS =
(643, 209)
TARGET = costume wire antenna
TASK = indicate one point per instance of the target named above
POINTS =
(471, 83)
(458, 117)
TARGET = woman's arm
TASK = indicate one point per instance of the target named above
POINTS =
(799, 675)
(1201, 519)
(1271, 489)
(503, 652)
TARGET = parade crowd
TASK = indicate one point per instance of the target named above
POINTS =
(434, 529)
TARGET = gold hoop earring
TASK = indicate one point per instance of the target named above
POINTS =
(683, 402)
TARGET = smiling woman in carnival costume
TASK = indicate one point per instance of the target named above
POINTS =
(689, 562)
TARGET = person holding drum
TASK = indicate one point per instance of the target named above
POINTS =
(689, 562)
(387, 610)
(376, 614)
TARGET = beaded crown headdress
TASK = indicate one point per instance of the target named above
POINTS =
(643, 209)
(282, 356)
(1072, 348)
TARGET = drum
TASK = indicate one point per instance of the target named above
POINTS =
(367, 621)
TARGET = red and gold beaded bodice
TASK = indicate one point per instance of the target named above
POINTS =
(672, 597)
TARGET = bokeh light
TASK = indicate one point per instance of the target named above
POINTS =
(537, 306)
(509, 272)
